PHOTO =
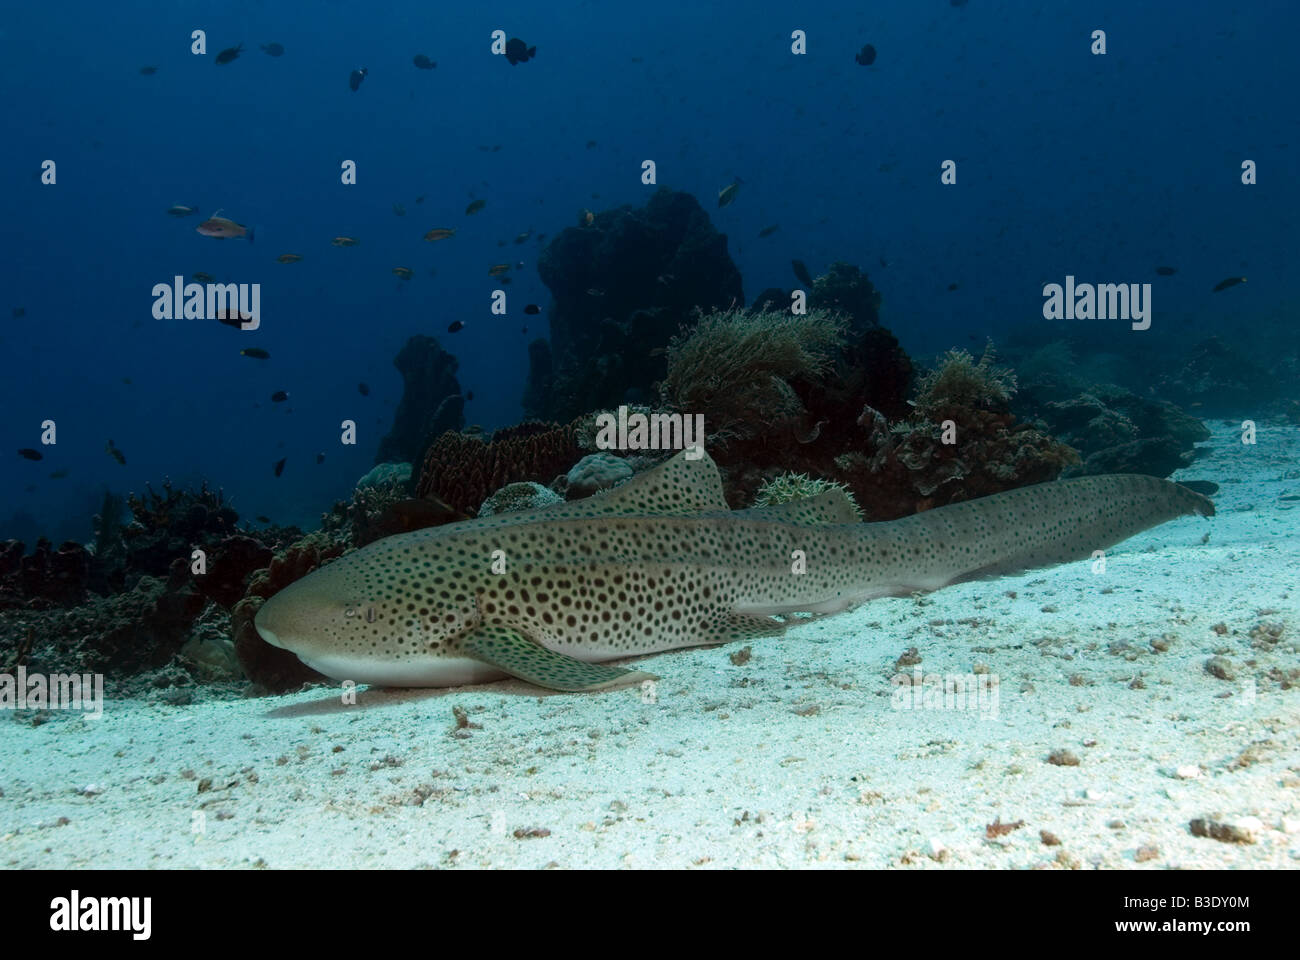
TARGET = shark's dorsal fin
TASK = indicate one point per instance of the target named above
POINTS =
(829, 506)
(677, 487)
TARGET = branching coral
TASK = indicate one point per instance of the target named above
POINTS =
(737, 368)
(798, 486)
(959, 381)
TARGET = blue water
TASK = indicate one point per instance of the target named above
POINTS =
(1102, 167)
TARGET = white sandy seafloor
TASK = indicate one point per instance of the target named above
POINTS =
(792, 759)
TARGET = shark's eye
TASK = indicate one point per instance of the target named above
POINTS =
(350, 612)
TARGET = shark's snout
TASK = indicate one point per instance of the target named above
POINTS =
(262, 623)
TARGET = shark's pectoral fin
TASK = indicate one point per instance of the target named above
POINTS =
(507, 649)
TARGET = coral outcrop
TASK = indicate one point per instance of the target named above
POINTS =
(621, 288)
(270, 668)
(462, 471)
(431, 401)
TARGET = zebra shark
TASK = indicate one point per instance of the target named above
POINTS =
(661, 563)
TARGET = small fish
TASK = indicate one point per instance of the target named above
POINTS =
(279, 466)
(469, 395)
(261, 519)
(768, 231)
(595, 292)
(420, 199)
(233, 318)
(363, 389)
(424, 63)
(519, 52)
(1230, 282)
(354, 81)
(127, 381)
(455, 326)
(497, 269)
(952, 286)
(1166, 271)
(532, 309)
(257, 353)
(504, 279)
(20, 312)
(148, 71)
(320, 458)
(115, 453)
(229, 54)
(475, 206)
(658, 352)
(181, 210)
(586, 218)
(523, 237)
(223, 228)
(31, 454)
(272, 49)
(404, 272)
(279, 396)
(202, 277)
(440, 233)
(58, 474)
(523, 330)
(288, 258)
(665, 278)
(728, 193)
(866, 56)
(801, 273)
(399, 210)
(345, 241)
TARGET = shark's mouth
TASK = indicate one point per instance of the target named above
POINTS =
(269, 636)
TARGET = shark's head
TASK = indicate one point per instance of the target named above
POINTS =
(381, 615)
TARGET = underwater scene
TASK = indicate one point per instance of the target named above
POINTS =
(689, 435)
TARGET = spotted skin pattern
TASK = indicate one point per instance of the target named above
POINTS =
(661, 564)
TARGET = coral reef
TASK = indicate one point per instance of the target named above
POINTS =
(621, 287)
(431, 401)
(1218, 380)
(270, 668)
(1116, 431)
(734, 365)
(595, 472)
(170, 524)
(46, 578)
(518, 496)
(129, 632)
(845, 290)
(384, 474)
(229, 565)
(798, 486)
(463, 471)
(958, 380)
(959, 442)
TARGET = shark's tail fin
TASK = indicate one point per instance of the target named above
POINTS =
(1046, 524)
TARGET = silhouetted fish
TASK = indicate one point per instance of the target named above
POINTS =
(354, 80)
(31, 454)
(363, 389)
(519, 52)
(866, 56)
(229, 54)
(801, 273)
(1230, 282)
(1166, 271)
(279, 466)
